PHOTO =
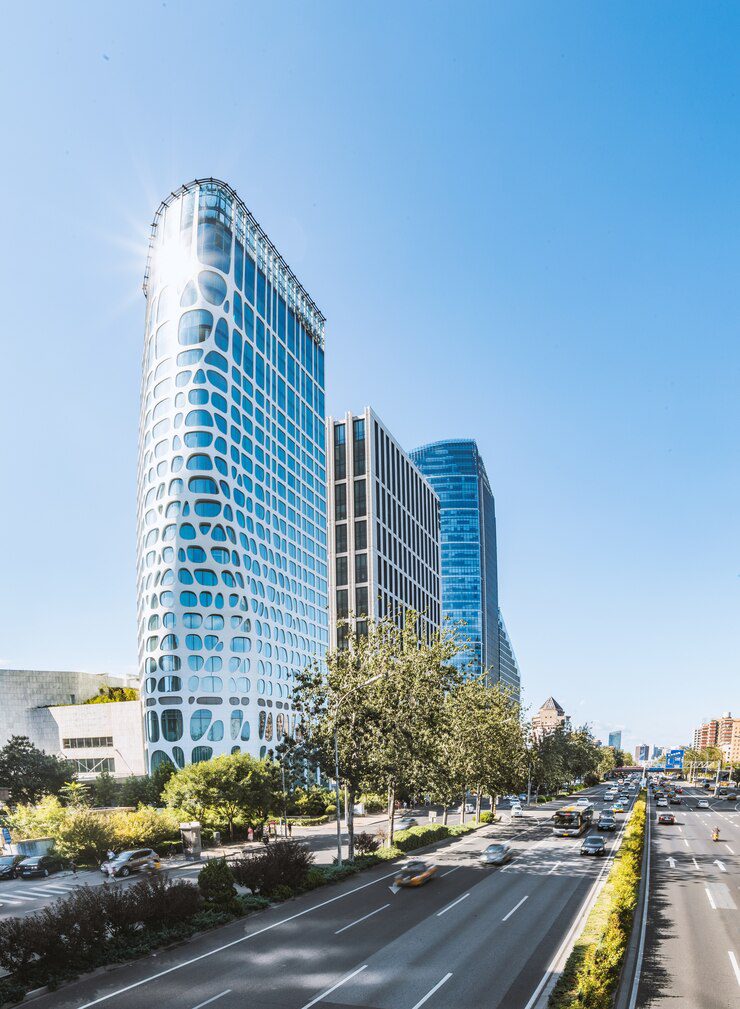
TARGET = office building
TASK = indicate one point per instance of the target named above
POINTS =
(615, 739)
(658, 751)
(101, 737)
(383, 530)
(456, 472)
(549, 718)
(642, 753)
(508, 666)
(30, 694)
(231, 566)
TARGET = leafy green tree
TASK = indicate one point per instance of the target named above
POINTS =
(111, 695)
(30, 773)
(105, 789)
(75, 793)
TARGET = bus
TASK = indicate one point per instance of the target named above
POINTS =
(570, 821)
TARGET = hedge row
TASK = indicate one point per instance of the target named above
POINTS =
(591, 974)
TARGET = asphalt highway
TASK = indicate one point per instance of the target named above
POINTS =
(473, 936)
(692, 948)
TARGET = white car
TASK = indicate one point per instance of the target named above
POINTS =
(405, 822)
(469, 808)
(583, 802)
(516, 809)
(701, 804)
(662, 801)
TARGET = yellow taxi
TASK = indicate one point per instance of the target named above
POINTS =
(415, 874)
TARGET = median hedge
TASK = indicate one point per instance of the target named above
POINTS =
(591, 974)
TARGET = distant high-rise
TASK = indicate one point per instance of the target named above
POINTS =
(615, 739)
(456, 472)
(508, 666)
(231, 570)
(642, 753)
(383, 529)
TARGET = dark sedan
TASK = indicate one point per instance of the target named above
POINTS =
(594, 845)
(38, 865)
(9, 866)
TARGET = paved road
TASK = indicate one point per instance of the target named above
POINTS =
(692, 949)
(474, 936)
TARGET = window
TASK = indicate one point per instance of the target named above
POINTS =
(361, 535)
(212, 286)
(341, 539)
(201, 753)
(172, 725)
(152, 726)
(360, 501)
(342, 604)
(86, 742)
(216, 733)
(341, 569)
(361, 601)
(340, 502)
(195, 327)
(360, 568)
(199, 722)
(358, 447)
(94, 765)
(340, 454)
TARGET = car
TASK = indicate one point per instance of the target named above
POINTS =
(405, 822)
(702, 804)
(469, 808)
(516, 809)
(679, 790)
(607, 822)
(38, 865)
(582, 802)
(127, 862)
(496, 854)
(415, 874)
(522, 796)
(666, 818)
(731, 796)
(662, 801)
(675, 800)
(9, 866)
(618, 807)
(593, 845)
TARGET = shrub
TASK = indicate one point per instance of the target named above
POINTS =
(252, 903)
(373, 802)
(314, 877)
(417, 837)
(282, 892)
(282, 863)
(487, 816)
(216, 883)
(84, 835)
(331, 810)
(365, 843)
(145, 826)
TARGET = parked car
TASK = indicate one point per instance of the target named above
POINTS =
(496, 854)
(522, 796)
(702, 804)
(405, 822)
(593, 845)
(127, 862)
(9, 866)
(415, 874)
(38, 865)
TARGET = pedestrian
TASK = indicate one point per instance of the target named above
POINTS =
(290, 828)
(73, 867)
(250, 833)
(111, 854)
(266, 834)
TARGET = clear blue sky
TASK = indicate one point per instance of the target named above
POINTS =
(521, 221)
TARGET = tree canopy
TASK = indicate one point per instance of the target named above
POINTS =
(30, 773)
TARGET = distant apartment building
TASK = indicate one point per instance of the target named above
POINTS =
(549, 718)
(615, 739)
(723, 733)
(469, 569)
(384, 530)
(642, 753)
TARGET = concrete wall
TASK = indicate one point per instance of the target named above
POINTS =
(121, 720)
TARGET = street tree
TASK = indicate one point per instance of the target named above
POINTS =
(30, 773)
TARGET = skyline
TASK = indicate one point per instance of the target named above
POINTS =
(584, 215)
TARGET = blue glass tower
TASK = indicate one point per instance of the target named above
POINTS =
(468, 547)
(231, 562)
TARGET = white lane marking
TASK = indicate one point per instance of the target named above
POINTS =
(234, 942)
(554, 868)
(364, 918)
(450, 906)
(334, 987)
(515, 908)
(212, 999)
(711, 898)
(453, 869)
(696, 864)
(431, 992)
(735, 966)
(729, 848)
(686, 842)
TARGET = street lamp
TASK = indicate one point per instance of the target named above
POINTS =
(342, 699)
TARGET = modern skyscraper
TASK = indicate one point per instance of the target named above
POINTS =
(615, 739)
(642, 753)
(508, 666)
(231, 572)
(383, 529)
(456, 472)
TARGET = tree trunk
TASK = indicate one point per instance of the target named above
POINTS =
(462, 807)
(391, 813)
(349, 795)
(478, 795)
(445, 812)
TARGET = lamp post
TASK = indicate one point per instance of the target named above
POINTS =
(339, 703)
